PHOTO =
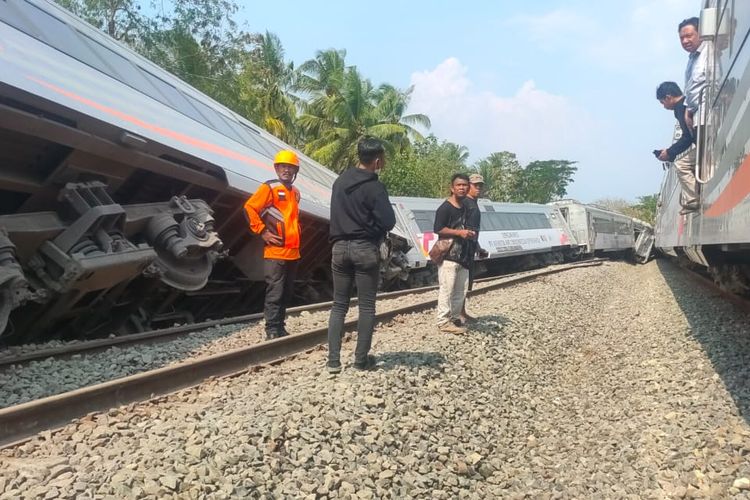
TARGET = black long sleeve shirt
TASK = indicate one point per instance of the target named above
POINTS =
(685, 141)
(360, 207)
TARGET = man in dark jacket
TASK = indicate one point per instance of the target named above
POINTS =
(361, 216)
(670, 96)
(473, 222)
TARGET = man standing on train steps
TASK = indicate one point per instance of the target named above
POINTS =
(361, 216)
(695, 84)
(682, 152)
(273, 213)
(453, 272)
(695, 72)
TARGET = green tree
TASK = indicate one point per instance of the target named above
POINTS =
(645, 209)
(200, 42)
(266, 82)
(544, 181)
(425, 169)
(502, 175)
(344, 107)
(120, 19)
(620, 205)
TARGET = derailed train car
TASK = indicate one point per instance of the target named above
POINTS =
(516, 235)
(121, 189)
(717, 236)
(602, 231)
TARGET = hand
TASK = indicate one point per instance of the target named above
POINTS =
(270, 238)
(664, 156)
(466, 233)
(482, 253)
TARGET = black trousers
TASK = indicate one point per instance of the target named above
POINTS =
(353, 262)
(473, 245)
(280, 276)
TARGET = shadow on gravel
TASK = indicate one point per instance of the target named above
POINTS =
(491, 324)
(720, 327)
(411, 359)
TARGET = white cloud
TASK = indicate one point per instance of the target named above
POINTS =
(533, 123)
(556, 26)
(645, 35)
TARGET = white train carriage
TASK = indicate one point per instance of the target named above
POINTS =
(717, 236)
(516, 235)
(597, 229)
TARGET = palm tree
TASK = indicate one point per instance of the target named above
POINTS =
(391, 106)
(324, 75)
(266, 83)
(344, 107)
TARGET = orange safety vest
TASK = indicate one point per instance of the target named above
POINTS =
(276, 208)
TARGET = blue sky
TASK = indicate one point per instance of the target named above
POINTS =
(546, 79)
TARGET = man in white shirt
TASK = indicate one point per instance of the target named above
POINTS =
(695, 72)
(695, 83)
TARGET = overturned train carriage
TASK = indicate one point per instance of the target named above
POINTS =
(600, 231)
(121, 189)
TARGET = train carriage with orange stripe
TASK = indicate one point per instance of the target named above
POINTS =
(122, 189)
(717, 235)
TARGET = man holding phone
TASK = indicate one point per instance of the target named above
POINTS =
(670, 96)
(453, 272)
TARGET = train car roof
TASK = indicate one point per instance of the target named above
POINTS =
(47, 52)
(591, 208)
(415, 203)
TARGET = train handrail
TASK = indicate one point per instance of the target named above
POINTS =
(701, 163)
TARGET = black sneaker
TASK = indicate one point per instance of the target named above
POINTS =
(369, 363)
(334, 366)
(270, 335)
(282, 333)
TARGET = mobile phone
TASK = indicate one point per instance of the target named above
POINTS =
(657, 152)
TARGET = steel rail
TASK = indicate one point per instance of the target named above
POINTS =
(20, 422)
(739, 301)
(167, 334)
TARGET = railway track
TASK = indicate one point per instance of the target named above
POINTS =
(707, 282)
(167, 334)
(21, 421)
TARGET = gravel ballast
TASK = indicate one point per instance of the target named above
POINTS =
(25, 382)
(616, 381)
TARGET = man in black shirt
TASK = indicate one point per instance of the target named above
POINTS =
(361, 216)
(670, 96)
(473, 222)
(453, 272)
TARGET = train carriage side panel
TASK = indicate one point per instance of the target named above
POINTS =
(152, 172)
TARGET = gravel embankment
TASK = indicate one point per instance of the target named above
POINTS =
(50, 376)
(611, 382)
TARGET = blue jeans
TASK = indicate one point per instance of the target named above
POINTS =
(353, 262)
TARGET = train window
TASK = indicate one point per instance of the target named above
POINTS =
(425, 219)
(515, 222)
(487, 222)
(526, 221)
(213, 119)
(174, 98)
(504, 222)
(543, 222)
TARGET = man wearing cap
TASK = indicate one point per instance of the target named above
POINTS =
(273, 213)
(473, 219)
